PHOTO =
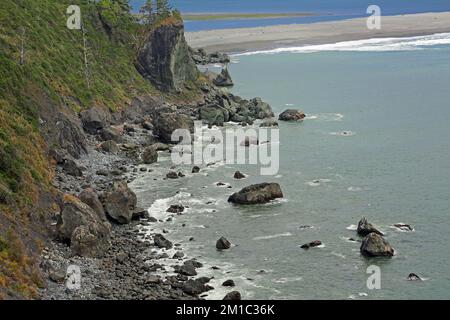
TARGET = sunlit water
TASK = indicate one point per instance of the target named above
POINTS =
(393, 165)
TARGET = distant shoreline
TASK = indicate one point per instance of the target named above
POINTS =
(280, 36)
(194, 16)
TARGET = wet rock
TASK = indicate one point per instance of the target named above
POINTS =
(291, 115)
(414, 277)
(139, 213)
(234, 295)
(312, 244)
(195, 287)
(223, 244)
(150, 155)
(239, 175)
(172, 175)
(161, 242)
(364, 228)
(178, 255)
(175, 208)
(228, 283)
(404, 227)
(257, 193)
(195, 169)
(374, 245)
(120, 202)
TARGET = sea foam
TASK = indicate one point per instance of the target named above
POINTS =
(368, 45)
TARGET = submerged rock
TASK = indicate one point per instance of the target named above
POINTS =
(223, 244)
(374, 245)
(172, 175)
(414, 277)
(364, 228)
(228, 283)
(404, 227)
(257, 193)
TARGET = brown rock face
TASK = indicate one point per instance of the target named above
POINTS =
(165, 58)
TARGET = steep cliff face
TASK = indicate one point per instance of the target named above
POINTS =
(165, 58)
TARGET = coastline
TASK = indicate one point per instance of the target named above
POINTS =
(272, 37)
(242, 16)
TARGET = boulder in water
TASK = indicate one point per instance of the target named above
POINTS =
(374, 245)
(223, 244)
(291, 115)
(257, 193)
(364, 228)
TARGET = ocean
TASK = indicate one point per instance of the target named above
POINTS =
(326, 10)
(391, 99)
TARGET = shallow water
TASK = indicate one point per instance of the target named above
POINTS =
(393, 167)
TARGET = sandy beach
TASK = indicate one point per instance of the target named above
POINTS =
(270, 37)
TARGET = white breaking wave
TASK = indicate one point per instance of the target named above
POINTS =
(375, 44)
(273, 236)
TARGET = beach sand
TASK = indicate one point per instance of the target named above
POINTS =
(270, 37)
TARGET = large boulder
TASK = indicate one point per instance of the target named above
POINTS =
(214, 115)
(234, 295)
(291, 115)
(90, 197)
(120, 202)
(150, 155)
(257, 193)
(166, 123)
(95, 119)
(374, 245)
(165, 58)
(80, 226)
(364, 228)
(223, 79)
(223, 244)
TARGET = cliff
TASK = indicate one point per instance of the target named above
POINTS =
(165, 58)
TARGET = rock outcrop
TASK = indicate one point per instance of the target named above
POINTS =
(120, 202)
(223, 244)
(257, 193)
(95, 119)
(374, 245)
(291, 115)
(86, 231)
(364, 228)
(223, 79)
(165, 58)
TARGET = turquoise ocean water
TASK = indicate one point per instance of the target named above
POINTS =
(392, 98)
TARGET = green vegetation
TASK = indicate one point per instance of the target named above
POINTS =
(44, 64)
(229, 16)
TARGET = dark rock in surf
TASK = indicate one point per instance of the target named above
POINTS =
(228, 283)
(175, 208)
(257, 193)
(239, 175)
(374, 245)
(234, 295)
(223, 244)
(161, 242)
(364, 228)
(291, 115)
